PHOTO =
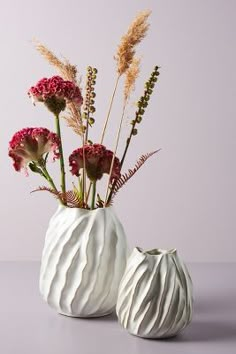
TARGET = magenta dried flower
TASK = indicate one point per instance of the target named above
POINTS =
(31, 144)
(97, 162)
(54, 92)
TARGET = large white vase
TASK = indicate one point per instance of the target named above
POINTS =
(83, 260)
(155, 294)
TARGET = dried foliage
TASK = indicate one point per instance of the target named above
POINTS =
(128, 175)
(130, 77)
(126, 49)
(67, 71)
(73, 118)
(70, 72)
(72, 198)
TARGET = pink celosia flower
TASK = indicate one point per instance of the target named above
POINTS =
(97, 162)
(55, 92)
(30, 144)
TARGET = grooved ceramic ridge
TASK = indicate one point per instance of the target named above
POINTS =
(83, 260)
(155, 294)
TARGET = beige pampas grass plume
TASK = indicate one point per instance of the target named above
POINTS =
(131, 75)
(126, 52)
(67, 71)
(126, 49)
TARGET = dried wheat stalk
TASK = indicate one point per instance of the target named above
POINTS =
(67, 71)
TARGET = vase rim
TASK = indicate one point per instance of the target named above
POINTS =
(157, 251)
(60, 206)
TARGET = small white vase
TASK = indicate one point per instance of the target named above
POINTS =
(83, 260)
(155, 294)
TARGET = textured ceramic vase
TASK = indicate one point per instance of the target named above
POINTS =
(84, 258)
(155, 294)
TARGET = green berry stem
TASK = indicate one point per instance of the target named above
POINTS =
(142, 104)
(126, 148)
(88, 108)
(89, 99)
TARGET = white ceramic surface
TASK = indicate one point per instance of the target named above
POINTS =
(155, 294)
(83, 260)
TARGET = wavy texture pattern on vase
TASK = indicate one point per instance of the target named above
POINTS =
(83, 260)
(155, 294)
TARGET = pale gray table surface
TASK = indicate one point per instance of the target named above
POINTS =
(29, 326)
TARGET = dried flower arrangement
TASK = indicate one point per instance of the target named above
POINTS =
(30, 147)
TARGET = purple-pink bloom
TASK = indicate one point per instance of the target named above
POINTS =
(56, 88)
(31, 144)
(97, 162)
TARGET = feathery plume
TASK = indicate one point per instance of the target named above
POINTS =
(126, 49)
(73, 118)
(126, 52)
(67, 71)
(130, 77)
(70, 72)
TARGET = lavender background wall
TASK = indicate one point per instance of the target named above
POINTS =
(183, 198)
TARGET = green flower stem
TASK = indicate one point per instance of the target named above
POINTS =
(80, 185)
(48, 178)
(88, 193)
(93, 195)
(84, 177)
(58, 130)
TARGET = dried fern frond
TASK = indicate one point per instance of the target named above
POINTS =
(130, 77)
(126, 49)
(128, 175)
(100, 202)
(67, 71)
(72, 198)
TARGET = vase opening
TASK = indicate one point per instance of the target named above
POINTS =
(88, 211)
(157, 251)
